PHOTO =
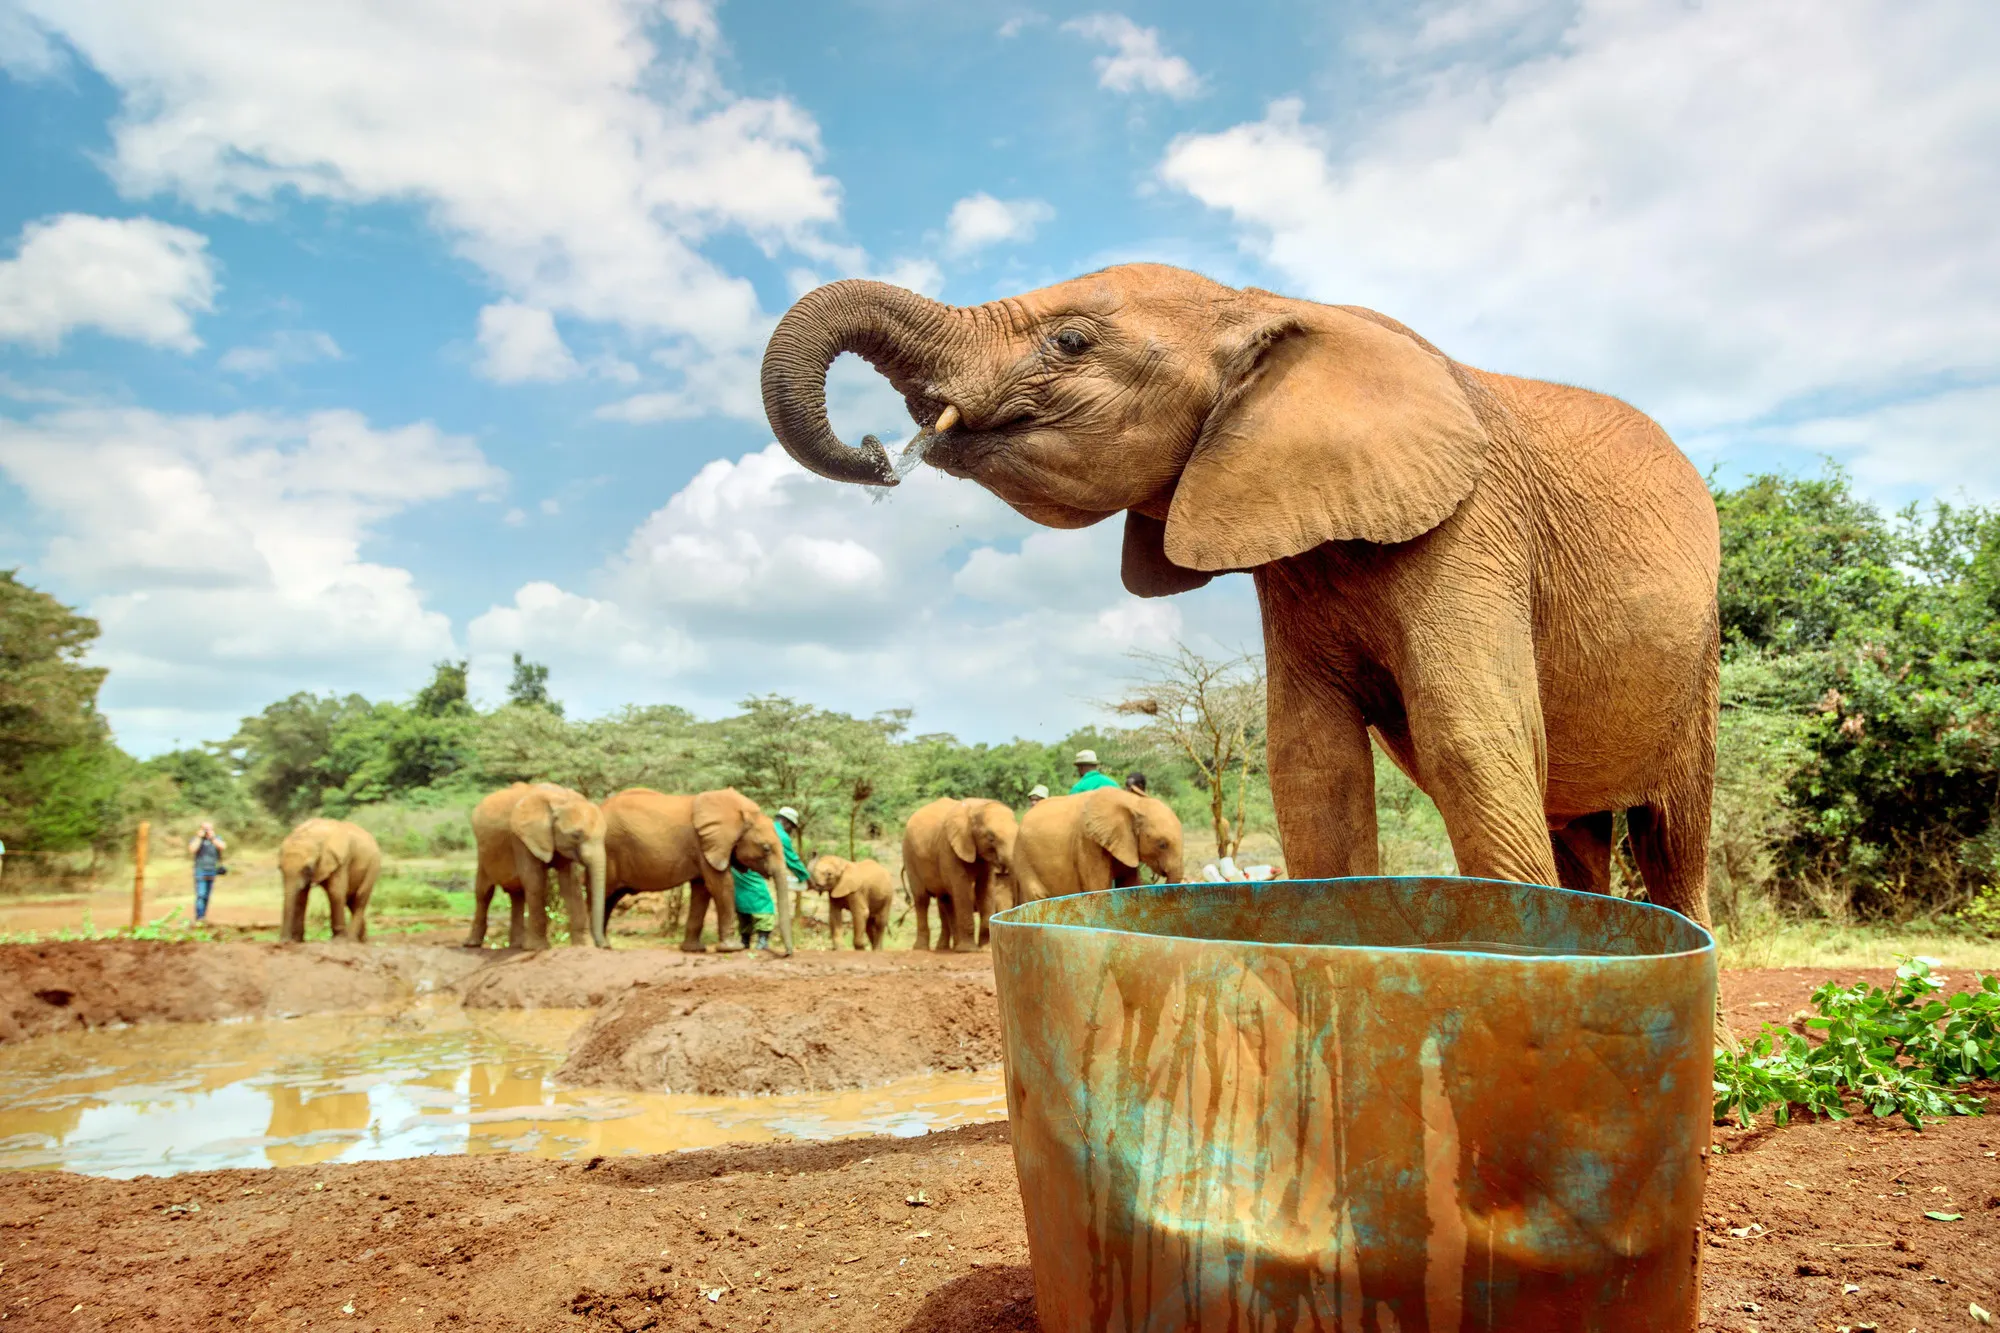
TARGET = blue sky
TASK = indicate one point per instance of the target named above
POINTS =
(338, 339)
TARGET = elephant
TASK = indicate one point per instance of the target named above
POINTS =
(864, 887)
(523, 832)
(1083, 844)
(961, 852)
(657, 842)
(1509, 584)
(341, 856)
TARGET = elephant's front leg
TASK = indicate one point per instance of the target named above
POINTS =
(1476, 731)
(857, 917)
(575, 903)
(294, 927)
(697, 917)
(833, 923)
(336, 903)
(535, 893)
(517, 921)
(728, 935)
(1322, 771)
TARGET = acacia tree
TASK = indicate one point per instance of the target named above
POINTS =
(1212, 711)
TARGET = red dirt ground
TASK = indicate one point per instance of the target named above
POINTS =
(830, 1237)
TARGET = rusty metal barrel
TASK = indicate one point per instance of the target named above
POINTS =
(1428, 1105)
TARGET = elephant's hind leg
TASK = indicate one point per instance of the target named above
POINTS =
(1670, 843)
(1583, 853)
(482, 902)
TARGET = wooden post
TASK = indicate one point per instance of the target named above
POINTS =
(139, 873)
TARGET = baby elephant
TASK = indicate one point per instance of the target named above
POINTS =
(341, 856)
(863, 887)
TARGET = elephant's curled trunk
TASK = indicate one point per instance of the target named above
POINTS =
(895, 330)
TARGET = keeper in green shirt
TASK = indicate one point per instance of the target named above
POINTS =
(756, 910)
(1088, 776)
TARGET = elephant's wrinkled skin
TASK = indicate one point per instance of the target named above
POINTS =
(960, 853)
(656, 841)
(1083, 844)
(341, 856)
(1512, 583)
(863, 887)
(522, 833)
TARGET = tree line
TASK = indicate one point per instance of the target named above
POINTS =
(1858, 765)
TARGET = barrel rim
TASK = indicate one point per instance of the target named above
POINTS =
(1004, 920)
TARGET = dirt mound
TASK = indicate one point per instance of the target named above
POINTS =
(797, 1028)
(567, 978)
(58, 987)
(585, 978)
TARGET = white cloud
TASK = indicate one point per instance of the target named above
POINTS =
(757, 576)
(222, 555)
(1138, 63)
(1942, 445)
(519, 342)
(25, 50)
(1726, 213)
(129, 277)
(580, 153)
(980, 220)
(289, 347)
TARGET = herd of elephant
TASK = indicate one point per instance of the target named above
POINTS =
(968, 858)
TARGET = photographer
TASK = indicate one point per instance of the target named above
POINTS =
(206, 847)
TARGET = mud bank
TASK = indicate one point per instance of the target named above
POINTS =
(823, 1238)
(585, 978)
(46, 988)
(802, 1028)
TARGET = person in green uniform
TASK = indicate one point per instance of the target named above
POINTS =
(1088, 775)
(756, 910)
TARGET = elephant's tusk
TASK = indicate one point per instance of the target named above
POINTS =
(946, 420)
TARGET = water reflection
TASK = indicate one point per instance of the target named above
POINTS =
(347, 1087)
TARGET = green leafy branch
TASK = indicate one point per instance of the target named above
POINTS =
(1904, 1050)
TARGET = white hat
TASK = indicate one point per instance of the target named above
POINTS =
(1086, 756)
(1038, 792)
(786, 812)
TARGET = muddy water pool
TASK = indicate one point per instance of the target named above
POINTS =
(167, 1098)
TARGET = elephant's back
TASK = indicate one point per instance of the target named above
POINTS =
(649, 839)
(923, 842)
(875, 881)
(1625, 563)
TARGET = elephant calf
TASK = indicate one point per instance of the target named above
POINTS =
(1083, 844)
(523, 832)
(863, 887)
(341, 856)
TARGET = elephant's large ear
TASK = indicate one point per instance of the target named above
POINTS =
(1144, 566)
(719, 820)
(958, 832)
(577, 818)
(1109, 824)
(533, 823)
(1330, 427)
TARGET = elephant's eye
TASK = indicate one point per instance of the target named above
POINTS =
(1071, 341)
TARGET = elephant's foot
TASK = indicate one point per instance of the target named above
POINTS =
(731, 946)
(696, 947)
